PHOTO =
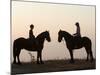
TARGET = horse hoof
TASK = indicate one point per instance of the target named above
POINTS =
(91, 60)
(38, 63)
(72, 61)
(14, 63)
(42, 62)
(86, 60)
(19, 63)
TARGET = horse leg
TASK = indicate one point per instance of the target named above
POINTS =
(38, 57)
(14, 58)
(87, 57)
(14, 55)
(71, 54)
(91, 56)
(87, 54)
(18, 53)
(40, 54)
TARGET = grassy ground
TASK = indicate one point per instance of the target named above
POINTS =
(52, 66)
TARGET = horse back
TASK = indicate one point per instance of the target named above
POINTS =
(86, 40)
(19, 42)
(22, 43)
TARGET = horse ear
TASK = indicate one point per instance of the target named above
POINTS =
(60, 29)
(47, 30)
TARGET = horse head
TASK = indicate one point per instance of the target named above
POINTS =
(47, 36)
(60, 36)
(63, 34)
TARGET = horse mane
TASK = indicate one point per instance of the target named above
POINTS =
(66, 33)
(40, 34)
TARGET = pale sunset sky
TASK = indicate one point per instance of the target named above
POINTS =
(52, 17)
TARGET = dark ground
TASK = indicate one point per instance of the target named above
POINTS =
(52, 66)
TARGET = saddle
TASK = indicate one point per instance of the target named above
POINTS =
(32, 42)
(77, 41)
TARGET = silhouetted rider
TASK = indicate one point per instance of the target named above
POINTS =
(77, 34)
(31, 36)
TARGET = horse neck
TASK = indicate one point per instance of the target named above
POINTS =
(41, 38)
(67, 36)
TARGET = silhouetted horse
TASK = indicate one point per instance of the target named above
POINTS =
(22, 43)
(73, 43)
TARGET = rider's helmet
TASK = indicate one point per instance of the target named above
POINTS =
(32, 26)
(77, 23)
